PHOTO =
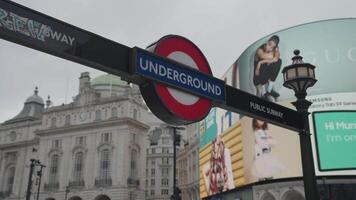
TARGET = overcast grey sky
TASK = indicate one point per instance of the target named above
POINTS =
(221, 28)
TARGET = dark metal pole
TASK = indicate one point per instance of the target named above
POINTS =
(29, 185)
(39, 174)
(66, 192)
(309, 178)
(174, 163)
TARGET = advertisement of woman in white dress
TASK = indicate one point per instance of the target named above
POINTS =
(265, 165)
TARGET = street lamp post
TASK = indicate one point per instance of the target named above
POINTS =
(299, 76)
(66, 192)
(39, 174)
(175, 142)
(34, 162)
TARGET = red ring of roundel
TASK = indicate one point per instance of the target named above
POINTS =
(199, 109)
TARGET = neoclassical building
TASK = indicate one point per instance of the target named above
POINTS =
(95, 146)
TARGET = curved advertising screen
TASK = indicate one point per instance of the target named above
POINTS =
(236, 150)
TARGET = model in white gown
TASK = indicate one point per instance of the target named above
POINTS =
(265, 165)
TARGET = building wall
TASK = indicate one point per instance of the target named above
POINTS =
(160, 160)
(188, 165)
(16, 146)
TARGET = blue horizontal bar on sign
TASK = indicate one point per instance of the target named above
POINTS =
(174, 74)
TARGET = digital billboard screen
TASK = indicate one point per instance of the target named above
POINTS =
(335, 133)
(236, 150)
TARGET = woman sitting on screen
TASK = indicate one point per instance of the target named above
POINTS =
(267, 64)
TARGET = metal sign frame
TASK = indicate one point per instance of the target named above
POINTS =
(38, 31)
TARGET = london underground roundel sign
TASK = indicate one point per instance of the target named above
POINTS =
(169, 104)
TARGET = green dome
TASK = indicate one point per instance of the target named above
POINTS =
(107, 80)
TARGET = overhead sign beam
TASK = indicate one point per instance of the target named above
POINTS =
(255, 107)
(35, 30)
(30, 28)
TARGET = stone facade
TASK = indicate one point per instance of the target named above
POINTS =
(95, 146)
(159, 162)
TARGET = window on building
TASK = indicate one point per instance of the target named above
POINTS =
(10, 179)
(165, 140)
(164, 172)
(146, 182)
(153, 172)
(114, 112)
(105, 164)
(133, 138)
(152, 182)
(132, 196)
(80, 140)
(152, 192)
(133, 163)
(106, 137)
(164, 192)
(98, 115)
(53, 122)
(53, 170)
(164, 182)
(165, 150)
(153, 150)
(135, 113)
(11, 157)
(153, 162)
(146, 172)
(78, 166)
(165, 160)
(67, 120)
(56, 144)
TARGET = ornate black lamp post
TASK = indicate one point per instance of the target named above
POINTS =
(299, 76)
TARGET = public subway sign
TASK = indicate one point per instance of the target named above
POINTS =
(179, 76)
(174, 76)
(255, 107)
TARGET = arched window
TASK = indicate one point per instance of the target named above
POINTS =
(268, 196)
(10, 179)
(113, 112)
(292, 195)
(105, 170)
(53, 170)
(98, 115)
(102, 197)
(78, 167)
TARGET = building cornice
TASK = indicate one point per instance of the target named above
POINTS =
(17, 125)
(20, 144)
(96, 124)
(72, 106)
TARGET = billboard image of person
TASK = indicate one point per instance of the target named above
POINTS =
(266, 67)
(265, 165)
(218, 172)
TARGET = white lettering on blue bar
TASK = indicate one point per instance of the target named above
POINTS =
(163, 71)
